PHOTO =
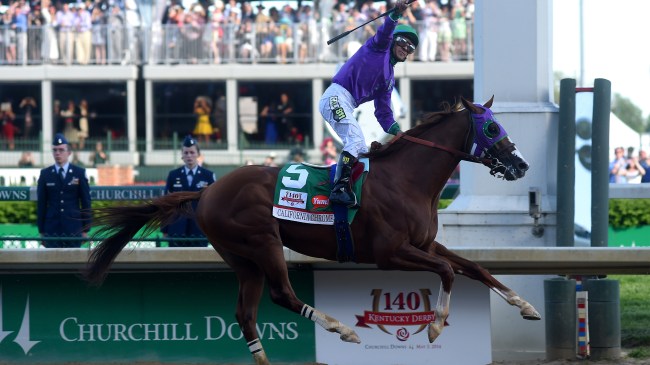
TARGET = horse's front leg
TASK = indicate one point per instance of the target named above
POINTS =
(474, 271)
(442, 312)
(410, 258)
(527, 310)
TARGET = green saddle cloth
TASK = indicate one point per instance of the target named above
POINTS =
(302, 193)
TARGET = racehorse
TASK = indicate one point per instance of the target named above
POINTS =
(395, 228)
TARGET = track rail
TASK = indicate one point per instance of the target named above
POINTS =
(499, 260)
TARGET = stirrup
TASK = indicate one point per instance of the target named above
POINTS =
(345, 197)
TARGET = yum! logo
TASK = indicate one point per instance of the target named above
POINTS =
(320, 201)
(23, 336)
(398, 309)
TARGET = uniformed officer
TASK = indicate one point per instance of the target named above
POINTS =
(190, 177)
(63, 207)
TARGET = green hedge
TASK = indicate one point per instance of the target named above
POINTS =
(17, 212)
(627, 213)
(623, 213)
(25, 212)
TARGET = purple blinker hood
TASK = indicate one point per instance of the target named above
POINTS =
(487, 131)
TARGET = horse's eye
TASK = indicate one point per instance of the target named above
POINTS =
(491, 129)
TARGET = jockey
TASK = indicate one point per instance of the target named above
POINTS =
(367, 75)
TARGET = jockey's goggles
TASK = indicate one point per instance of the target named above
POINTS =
(405, 43)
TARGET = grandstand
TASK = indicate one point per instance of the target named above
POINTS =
(141, 95)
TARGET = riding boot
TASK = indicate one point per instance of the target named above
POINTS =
(342, 190)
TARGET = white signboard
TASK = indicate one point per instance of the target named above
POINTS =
(389, 310)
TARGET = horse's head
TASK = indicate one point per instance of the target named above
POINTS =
(491, 141)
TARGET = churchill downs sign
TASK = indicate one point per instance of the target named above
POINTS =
(142, 317)
(25, 193)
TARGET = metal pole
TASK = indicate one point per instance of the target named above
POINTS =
(600, 163)
(109, 144)
(566, 164)
(604, 318)
(582, 43)
(41, 147)
(560, 309)
(174, 148)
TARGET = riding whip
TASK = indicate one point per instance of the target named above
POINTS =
(369, 21)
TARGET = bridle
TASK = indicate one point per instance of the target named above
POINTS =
(487, 158)
(460, 154)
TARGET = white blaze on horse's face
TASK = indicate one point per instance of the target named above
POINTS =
(508, 163)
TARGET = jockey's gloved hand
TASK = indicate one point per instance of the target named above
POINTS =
(400, 7)
(394, 129)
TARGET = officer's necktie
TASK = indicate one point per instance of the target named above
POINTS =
(61, 177)
(190, 176)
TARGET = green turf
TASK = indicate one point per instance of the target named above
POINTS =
(635, 314)
(26, 236)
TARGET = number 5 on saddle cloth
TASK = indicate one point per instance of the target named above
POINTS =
(302, 195)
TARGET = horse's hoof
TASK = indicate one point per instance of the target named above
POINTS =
(350, 337)
(529, 312)
(532, 317)
(434, 331)
(261, 359)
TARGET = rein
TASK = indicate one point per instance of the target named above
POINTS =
(497, 168)
(462, 155)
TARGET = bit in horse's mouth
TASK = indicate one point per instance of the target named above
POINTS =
(508, 173)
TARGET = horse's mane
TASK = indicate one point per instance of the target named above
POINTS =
(428, 120)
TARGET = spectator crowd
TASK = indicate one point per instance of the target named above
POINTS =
(83, 32)
(628, 168)
(214, 31)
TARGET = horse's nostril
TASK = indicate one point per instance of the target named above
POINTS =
(523, 166)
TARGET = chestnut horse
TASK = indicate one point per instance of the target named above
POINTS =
(395, 228)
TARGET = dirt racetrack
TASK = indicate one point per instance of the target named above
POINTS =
(622, 361)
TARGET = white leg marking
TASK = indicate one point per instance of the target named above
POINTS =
(442, 312)
(330, 324)
(255, 347)
(527, 311)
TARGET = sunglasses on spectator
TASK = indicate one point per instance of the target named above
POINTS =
(404, 43)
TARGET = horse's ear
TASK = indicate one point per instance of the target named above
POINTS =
(470, 106)
(489, 102)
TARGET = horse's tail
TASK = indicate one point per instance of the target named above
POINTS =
(121, 224)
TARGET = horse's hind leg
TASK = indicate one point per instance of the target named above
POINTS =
(251, 284)
(282, 294)
(474, 271)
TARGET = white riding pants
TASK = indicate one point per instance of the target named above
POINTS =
(337, 107)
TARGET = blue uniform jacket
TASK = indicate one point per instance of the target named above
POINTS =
(60, 204)
(177, 181)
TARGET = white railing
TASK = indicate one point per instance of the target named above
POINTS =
(211, 44)
(629, 191)
(29, 176)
